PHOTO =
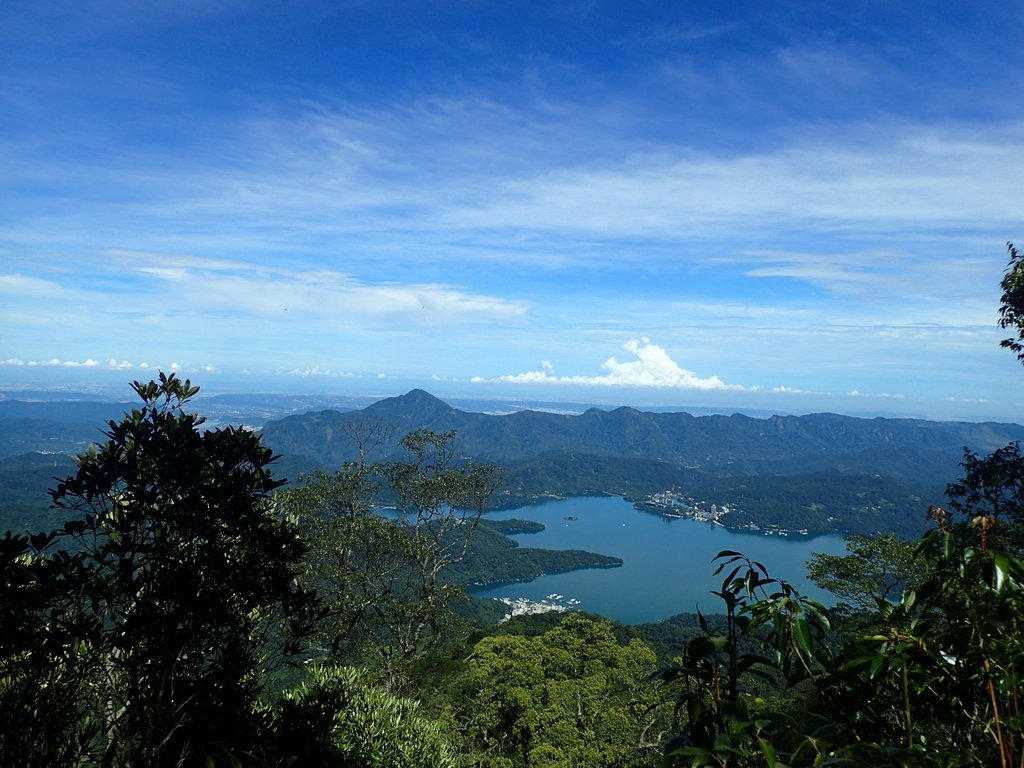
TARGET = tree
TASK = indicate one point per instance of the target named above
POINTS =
(48, 660)
(881, 567)
(717, 720)
(193, 576)
(1011, 309)
(572, 696)
(383, 576)
(990, 496)
(341, 718)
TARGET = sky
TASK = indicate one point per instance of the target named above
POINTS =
(790, 206)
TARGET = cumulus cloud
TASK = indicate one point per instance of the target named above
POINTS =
(653, 367)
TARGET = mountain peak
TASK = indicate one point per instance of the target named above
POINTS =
(415, 401)
(420, 396)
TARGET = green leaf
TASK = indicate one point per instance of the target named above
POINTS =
(876, 666)
(802, 635)
(702, 621)
(1001, 568)
(718, 642)
(769, 753)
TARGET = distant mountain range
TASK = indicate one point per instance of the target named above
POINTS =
(823, 472)
(729, 445)
(820, 472)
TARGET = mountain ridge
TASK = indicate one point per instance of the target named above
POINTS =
(780, 444)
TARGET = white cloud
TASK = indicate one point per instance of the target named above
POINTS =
(53, 362)
(857, 393)
(652, 368)
(110, 364)
(318, 371)
(891, 178)
(16, 286)
(297, 295)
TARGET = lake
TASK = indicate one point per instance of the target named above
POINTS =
(666, 561)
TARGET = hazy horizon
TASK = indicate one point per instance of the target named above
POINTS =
(559, 400)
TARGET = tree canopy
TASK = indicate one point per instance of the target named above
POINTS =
(184, 576)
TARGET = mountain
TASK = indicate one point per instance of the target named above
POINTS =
(53, 426)
(823, 473)
(729, 445)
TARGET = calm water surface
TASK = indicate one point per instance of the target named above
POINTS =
(666, 562)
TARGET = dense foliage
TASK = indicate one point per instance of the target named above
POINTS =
(341, 717)
(572, 696)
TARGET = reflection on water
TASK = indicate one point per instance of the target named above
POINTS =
(667, 565)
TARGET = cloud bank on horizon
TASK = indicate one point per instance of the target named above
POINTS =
(652, 368)
(789, 199)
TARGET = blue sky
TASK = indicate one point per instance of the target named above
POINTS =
(791, 206)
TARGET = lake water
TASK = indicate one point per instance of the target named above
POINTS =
(666, 561)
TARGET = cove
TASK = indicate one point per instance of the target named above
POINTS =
(666, 567)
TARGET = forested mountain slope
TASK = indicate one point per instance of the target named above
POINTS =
(734, 444)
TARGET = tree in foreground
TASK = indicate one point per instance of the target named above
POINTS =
(340, 717)
(49, 664)
(573, 696)
(882, 567)
(383, 576)
(193, 579)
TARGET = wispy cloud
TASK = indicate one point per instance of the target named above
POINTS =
(474, 175)
(903, 180)
(189, 285)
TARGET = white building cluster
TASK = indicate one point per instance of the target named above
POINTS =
(520, 606)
